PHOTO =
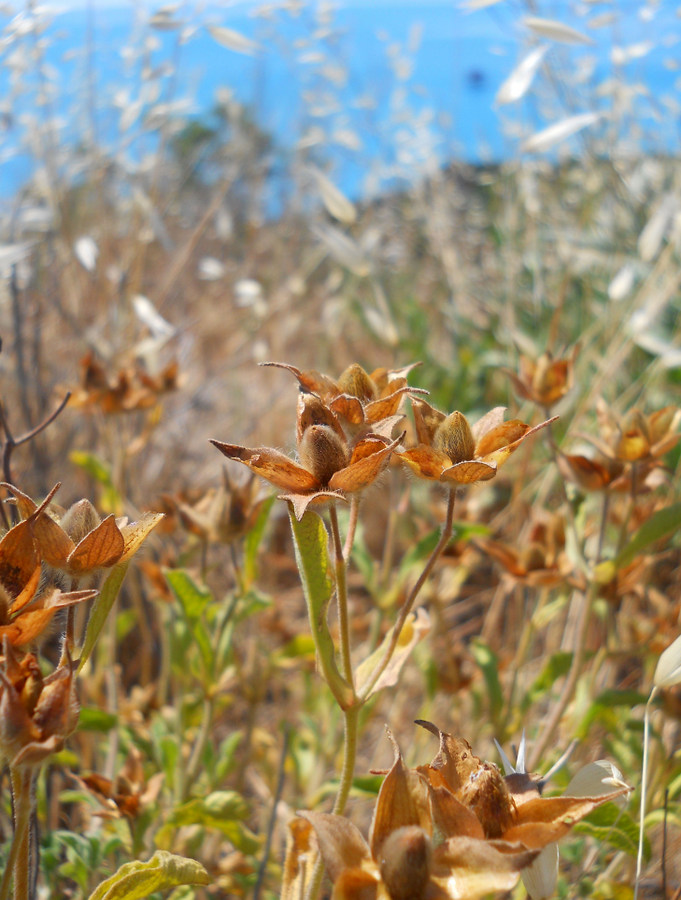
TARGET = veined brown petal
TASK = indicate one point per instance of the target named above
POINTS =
(589, 474)
(489, 421)
(544, 820)
(356, 884)
(501, 436)
(469, 472)
(501, 455)
(451, 817)
(425, 461)
(136, 533)
(402, 800)
(363, 471)
(348, 407)
(272, 465)
(28, 592)
(27, 627)
(300, 502)
(340, 842)
(470, 868)
(18, 557)
(426, 420)
(101, 547)
(385, 406)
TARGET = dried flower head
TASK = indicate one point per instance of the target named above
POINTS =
(359, 399)
(637, 438)
(223, 515)
(329, 465)
(80, 542)
(127, 390)
(26, 605)
(450, 450)
(545, 380)
(129, 794)
(454, 828)
(37, 714)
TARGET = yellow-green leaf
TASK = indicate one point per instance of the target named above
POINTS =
(310, 540)
(136, 880)
(101, 609)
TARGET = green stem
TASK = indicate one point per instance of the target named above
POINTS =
(341, 596)
(200, 741)
(413, 594)
(19, 855)
(352, 526)
(345, 784)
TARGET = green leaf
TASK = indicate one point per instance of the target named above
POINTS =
(101, 609)
(660, 524)
(110, 499)
(310, 540)
(93, 719)
(557, 664)
(488, 662)
(610, 825)
(136, 880)
(602, 710)
(222, 810)
(93, 465)
(192, 597)
(252, 542)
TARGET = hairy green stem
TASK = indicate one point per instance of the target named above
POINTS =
(18, 861)
(341, 596)
(352, 526)
(345, 784)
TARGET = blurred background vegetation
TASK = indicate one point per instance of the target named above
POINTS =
(156, 248)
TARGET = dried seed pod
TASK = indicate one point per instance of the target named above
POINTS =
(455, 438)
(405, 863)
(487, 795)
(356, 382)
(322, 452)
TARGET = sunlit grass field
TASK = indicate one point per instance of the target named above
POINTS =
(448, 513)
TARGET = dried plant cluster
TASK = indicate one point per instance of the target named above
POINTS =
(199, 659)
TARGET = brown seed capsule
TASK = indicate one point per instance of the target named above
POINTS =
(322, 452)
(79, 520)
(487, 795)
(405, 862)
(356, 382)
(455, 438)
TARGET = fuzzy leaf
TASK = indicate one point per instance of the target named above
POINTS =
(101, 609)
(136, 880)
(310, 540)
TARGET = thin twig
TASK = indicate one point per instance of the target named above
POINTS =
(11, 442)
